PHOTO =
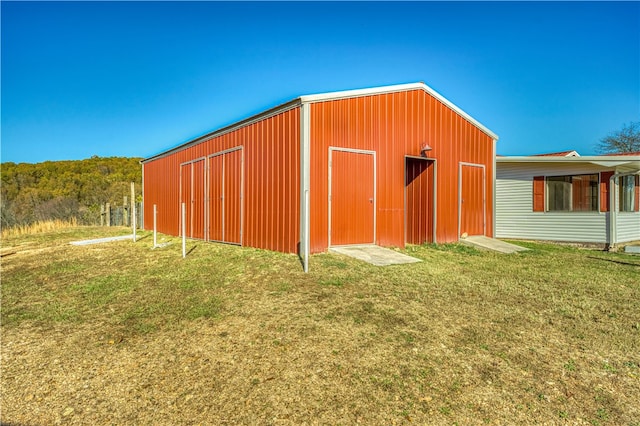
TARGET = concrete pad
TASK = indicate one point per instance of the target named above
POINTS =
(101, 240)
(374, 255)
(486, 243)
(632, 249)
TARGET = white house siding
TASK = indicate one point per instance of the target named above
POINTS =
(515, 217)
(628, 227)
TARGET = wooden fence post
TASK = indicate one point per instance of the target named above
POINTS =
(108, 213)
(101, 214)
(125, 215)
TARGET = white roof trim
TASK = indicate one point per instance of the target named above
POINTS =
(598, 160)
(581, 159)
(320, 97)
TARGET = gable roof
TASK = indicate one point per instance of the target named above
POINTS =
(396, 88)
(322, 97)
(559, 154)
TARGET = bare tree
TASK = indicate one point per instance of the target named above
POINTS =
(624, 140)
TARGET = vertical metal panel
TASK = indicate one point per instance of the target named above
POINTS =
(395, 125)
(351, 197)
(271, 200)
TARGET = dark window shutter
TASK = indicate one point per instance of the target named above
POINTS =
(604, 191)
(538, 193)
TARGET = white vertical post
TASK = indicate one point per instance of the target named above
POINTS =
(155, 235)
(305, 160)
(306, 232)
(184, 230)
(133, 210)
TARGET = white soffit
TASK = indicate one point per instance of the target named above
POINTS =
(599, 160)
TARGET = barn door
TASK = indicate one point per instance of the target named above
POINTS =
(185, 197)
(352, 197)
(225, 196)
(192, 192)
(471, 202)
(419, 205)
(197, 200)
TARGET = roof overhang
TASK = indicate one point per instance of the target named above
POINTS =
(630, 162)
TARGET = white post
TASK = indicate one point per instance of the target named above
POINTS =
(133, 210)
(155, 237)
(306, 231)
(184, 230)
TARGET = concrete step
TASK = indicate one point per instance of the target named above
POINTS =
(374, 255)
(487, 243)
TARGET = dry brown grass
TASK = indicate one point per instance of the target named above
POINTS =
(122, 334)
(39, 227)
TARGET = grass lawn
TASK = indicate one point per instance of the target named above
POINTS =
(119, 333)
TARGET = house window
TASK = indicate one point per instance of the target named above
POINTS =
(572, 193)
(626, 189)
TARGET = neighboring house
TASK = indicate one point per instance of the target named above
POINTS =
(568, 197)
(387, 165)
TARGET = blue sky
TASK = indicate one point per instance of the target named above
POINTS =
(136, 78)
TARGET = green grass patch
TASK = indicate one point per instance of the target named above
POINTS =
(546, 336)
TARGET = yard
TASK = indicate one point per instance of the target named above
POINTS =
(119, 333)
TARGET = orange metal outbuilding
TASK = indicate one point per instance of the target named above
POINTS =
(387, 165)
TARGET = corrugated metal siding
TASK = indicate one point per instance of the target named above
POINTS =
(395, 125)
(515, 217)
(271, 179)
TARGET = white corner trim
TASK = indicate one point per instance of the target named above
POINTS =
(305, 179)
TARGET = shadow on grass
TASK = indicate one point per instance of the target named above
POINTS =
(191, 250)
(620, 262)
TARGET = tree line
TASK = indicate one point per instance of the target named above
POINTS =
(65, 189)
